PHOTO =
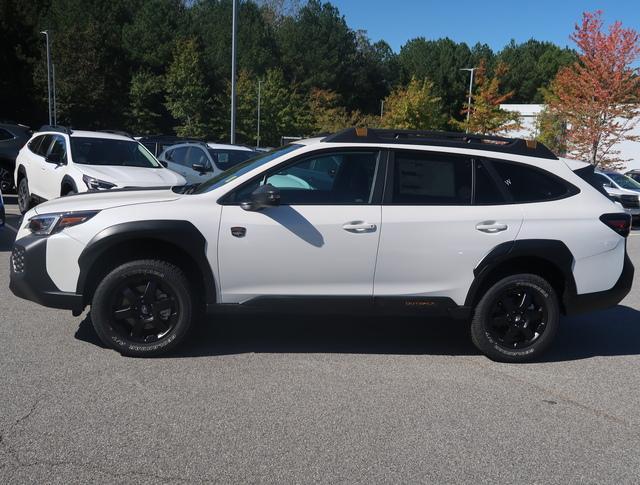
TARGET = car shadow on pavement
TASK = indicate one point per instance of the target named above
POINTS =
(606, 333)
(7, 235)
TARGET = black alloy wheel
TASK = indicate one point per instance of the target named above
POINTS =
(6, 180)
(144, 310)
(516, 319)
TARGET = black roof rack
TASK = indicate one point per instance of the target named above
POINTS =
(58, 128)
(515, 146)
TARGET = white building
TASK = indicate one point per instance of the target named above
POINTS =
(529, 114)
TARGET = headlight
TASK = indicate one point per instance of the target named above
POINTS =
(96, 184)
(46, 224)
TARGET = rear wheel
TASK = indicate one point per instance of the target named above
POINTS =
(516, 319)
(142, 308)
(24, 197)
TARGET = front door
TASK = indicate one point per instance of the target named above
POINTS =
(321, 241)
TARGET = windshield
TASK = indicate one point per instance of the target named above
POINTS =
(107, 151)
(624, 181)
(242, 168)
(225, 159)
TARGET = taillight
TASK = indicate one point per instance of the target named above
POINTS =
(620, 223)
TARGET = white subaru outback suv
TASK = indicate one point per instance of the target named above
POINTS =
(495, 230)
(57, 161)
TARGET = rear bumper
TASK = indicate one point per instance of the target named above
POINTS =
(576, 304)
(29, 278)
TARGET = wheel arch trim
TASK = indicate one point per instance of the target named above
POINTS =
(182, 234)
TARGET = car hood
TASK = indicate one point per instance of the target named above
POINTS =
(133, 176)
(106, 199)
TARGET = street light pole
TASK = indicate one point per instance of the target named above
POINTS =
(53, 85)
(234, 32)
(471, 70)
(46, 34)
(258, 133)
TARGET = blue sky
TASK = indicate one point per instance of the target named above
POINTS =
(494, 22)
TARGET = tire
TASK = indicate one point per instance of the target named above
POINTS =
(516, 319)
(69, 192)
(143, 308)
(24, 196)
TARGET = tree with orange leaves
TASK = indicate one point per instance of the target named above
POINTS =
(598, 96)
(485, 115)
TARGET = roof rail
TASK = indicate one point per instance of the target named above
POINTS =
(515, 146)
(117, 132)
(58, 128)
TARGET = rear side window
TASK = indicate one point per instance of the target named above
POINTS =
(529, 184)
(431, 179)
(486, 191)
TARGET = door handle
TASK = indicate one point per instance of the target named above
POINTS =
(491, 227)
(359, 227)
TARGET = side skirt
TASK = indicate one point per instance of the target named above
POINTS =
(347, 305)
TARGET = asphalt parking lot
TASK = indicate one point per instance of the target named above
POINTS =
(299, 399)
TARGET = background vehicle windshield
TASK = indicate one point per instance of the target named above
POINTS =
(624, 181)
(105, 151)
(242, 168)
(225, 159)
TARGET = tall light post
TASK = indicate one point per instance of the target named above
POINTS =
(258, 131)
(46, 34)
(53, 85)
(471, 70)
(234, 32)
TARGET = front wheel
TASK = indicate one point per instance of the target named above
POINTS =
(516, 319)
(24, 197)
(142, 308)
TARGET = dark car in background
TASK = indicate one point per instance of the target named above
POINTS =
(13, 136)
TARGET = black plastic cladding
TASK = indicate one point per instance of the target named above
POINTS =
(514, 146)
(182, 234)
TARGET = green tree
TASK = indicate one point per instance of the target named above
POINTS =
(146, 110)
(414, 107)
(486, 116)
(532, 66)
(188, 99)
(552, 131)
(441, 62)
(92, 72)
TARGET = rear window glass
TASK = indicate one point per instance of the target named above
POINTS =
(225, 159)
(486, 191)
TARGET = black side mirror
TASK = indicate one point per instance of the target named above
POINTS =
(54, 158)
(199, 167)
(264, 196)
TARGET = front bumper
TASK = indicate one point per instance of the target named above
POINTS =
(29, 278)
(587, 302)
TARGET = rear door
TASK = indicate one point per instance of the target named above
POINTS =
(441, 215)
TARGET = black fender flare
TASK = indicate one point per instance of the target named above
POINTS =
(182, 234)
(67, 180)
(555, 252)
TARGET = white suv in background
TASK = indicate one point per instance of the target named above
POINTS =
(498, 231)
(622, 189)
(57, 161)
(198, 162)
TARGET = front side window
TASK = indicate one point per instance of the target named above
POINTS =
(528, 184)
(431, 179)
(197, 156)
(345, 178)
(58, 149)
(34, 145)
(178, 155)
(108, 151)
